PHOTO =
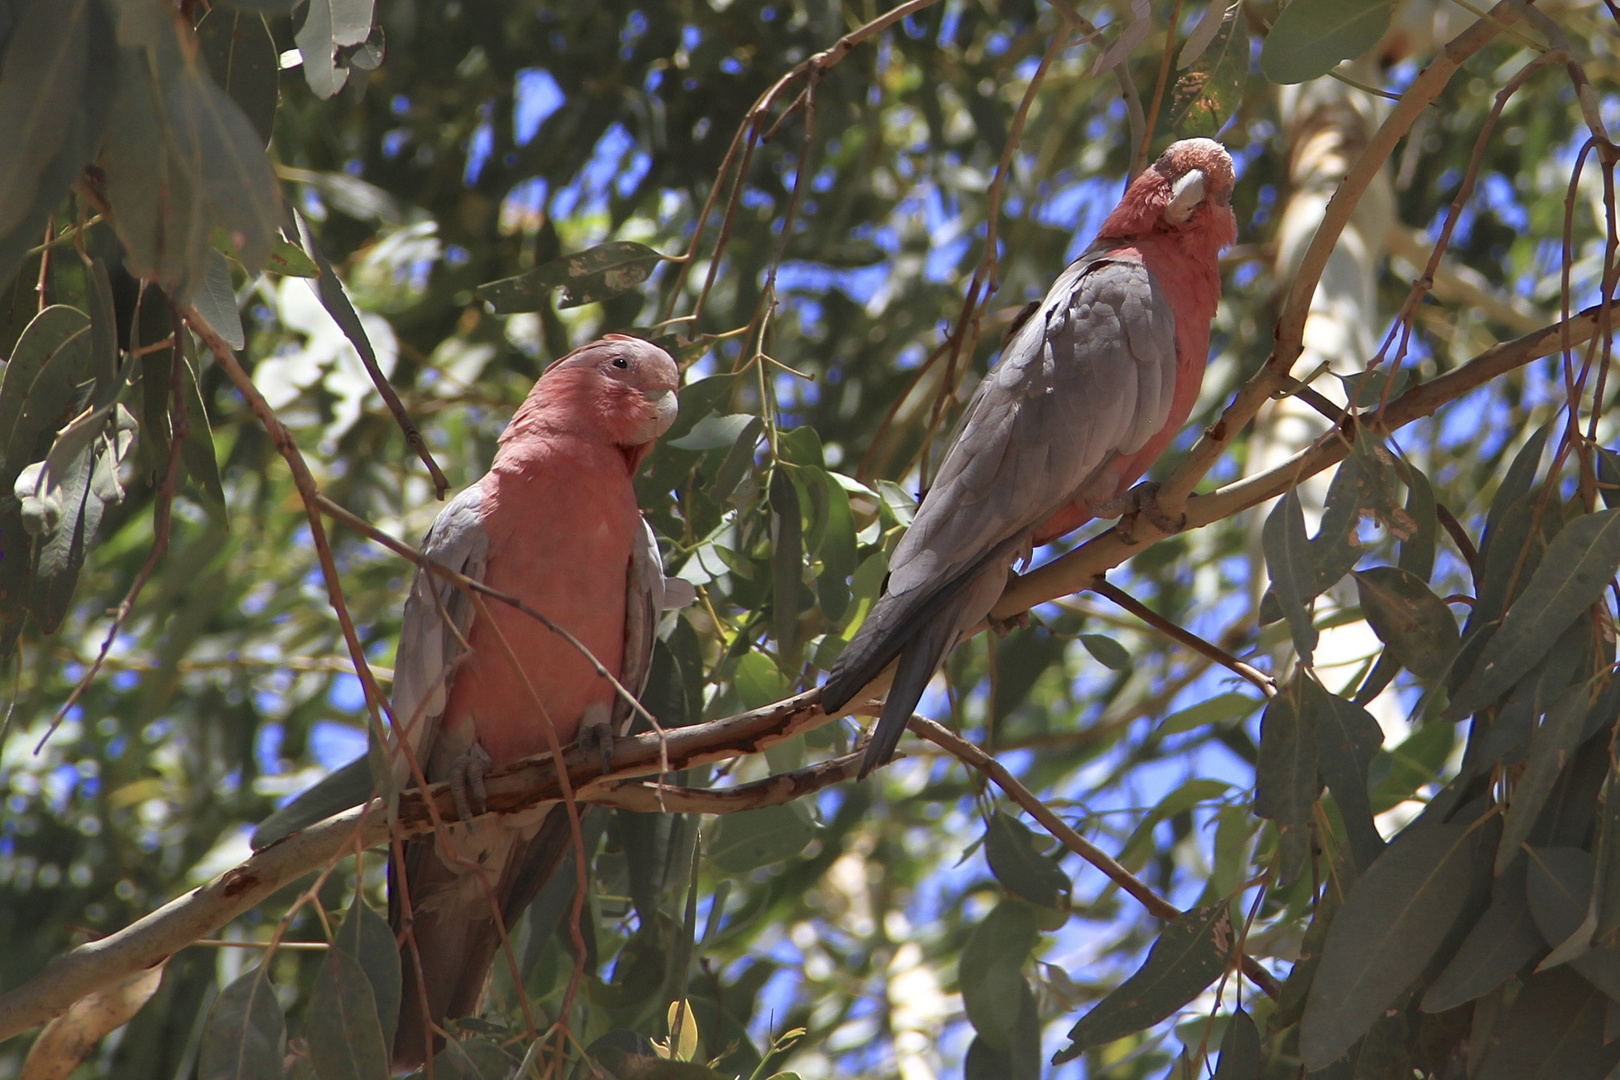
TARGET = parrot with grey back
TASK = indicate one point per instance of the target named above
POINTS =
(555, 524)
(1090, 389)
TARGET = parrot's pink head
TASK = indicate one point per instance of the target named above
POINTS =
(620, 388)
(1186, 193)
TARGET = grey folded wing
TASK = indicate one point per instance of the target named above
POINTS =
(1086, 381)
(643, 606)
(438, 617)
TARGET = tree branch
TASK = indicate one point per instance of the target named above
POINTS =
(1157, 906)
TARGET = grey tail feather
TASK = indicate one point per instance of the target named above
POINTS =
(919, 659)
(457, 948)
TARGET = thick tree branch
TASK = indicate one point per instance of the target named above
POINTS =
(153, 939)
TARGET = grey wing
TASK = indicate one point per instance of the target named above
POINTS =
(1087, 380)
(643, 605)
(438, 617)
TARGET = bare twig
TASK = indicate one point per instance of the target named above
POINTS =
(1263, 682)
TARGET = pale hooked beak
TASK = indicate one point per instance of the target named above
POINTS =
(1185, 195)
(665, 406)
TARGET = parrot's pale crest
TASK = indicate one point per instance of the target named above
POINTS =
(554, 523)
(1091, 387)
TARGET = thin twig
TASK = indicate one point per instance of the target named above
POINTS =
(1156, 905)
(1263, 682)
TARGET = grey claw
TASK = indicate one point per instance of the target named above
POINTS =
(467, 772)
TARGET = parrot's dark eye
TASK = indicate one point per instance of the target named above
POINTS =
(620, 362)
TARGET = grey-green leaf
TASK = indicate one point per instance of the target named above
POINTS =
(344, 787)
(755, 838)
(594, 274)
(1285, 775)
(991, 971)
(345, 1040)
(1311, 37)
(1009, 847)
(1190, 954)
(1502, 942)
(365, 935)
(245, 1036)
(1240, 1049)
(1393, 920)
(243, 59)
(1578, 565)
(1107, 652)
(1415, 624)
(1554, 1032)
(787, 565)
(1288, 561)
(1551, 745)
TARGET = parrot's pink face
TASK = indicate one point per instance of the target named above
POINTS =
(1187, 192)
(621, 388)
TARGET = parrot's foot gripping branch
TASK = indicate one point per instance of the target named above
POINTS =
(1141, 501)
(467, 778)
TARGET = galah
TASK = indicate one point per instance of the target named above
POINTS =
(1089, 391)
(555, 524)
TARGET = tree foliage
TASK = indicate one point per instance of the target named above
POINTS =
(1320, 783)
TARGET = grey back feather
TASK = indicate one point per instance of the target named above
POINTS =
(438, 617)
(1086, 382)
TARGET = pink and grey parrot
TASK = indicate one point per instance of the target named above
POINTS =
(554, 523)
(1090, 390)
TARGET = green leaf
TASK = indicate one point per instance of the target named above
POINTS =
(472, 1059)
(715, 431)
(344, 787)
(1393, 920)
(1515, 484)
(42, 80)
(1217, 710)
(991, 972)
(1189, 955)
(1551, 745)
(345, 1040)
(1021, 867)
(1240, 1049)
(837, 551)
(366, 936)
(1418, 547)
(594, 274)
(215, 301)
(1559, 886)
(288, 259)
(197, 452)
(1288, 561)
(329, 25)
(1503, 940)
(243, 196)
(1578, 565)
(243, 59)
(787, 565)
(1195, 792)
(1415, 624)
(1347, 738)
(1285, 775)
(1207, 95)
(1311, 37)
(1021, 1059)
(245, 1036)
(753, 838)
(1107, 652)
(758, 681)
(1554, 1032)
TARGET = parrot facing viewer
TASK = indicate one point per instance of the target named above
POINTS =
(554, 523)
(1090, 390)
